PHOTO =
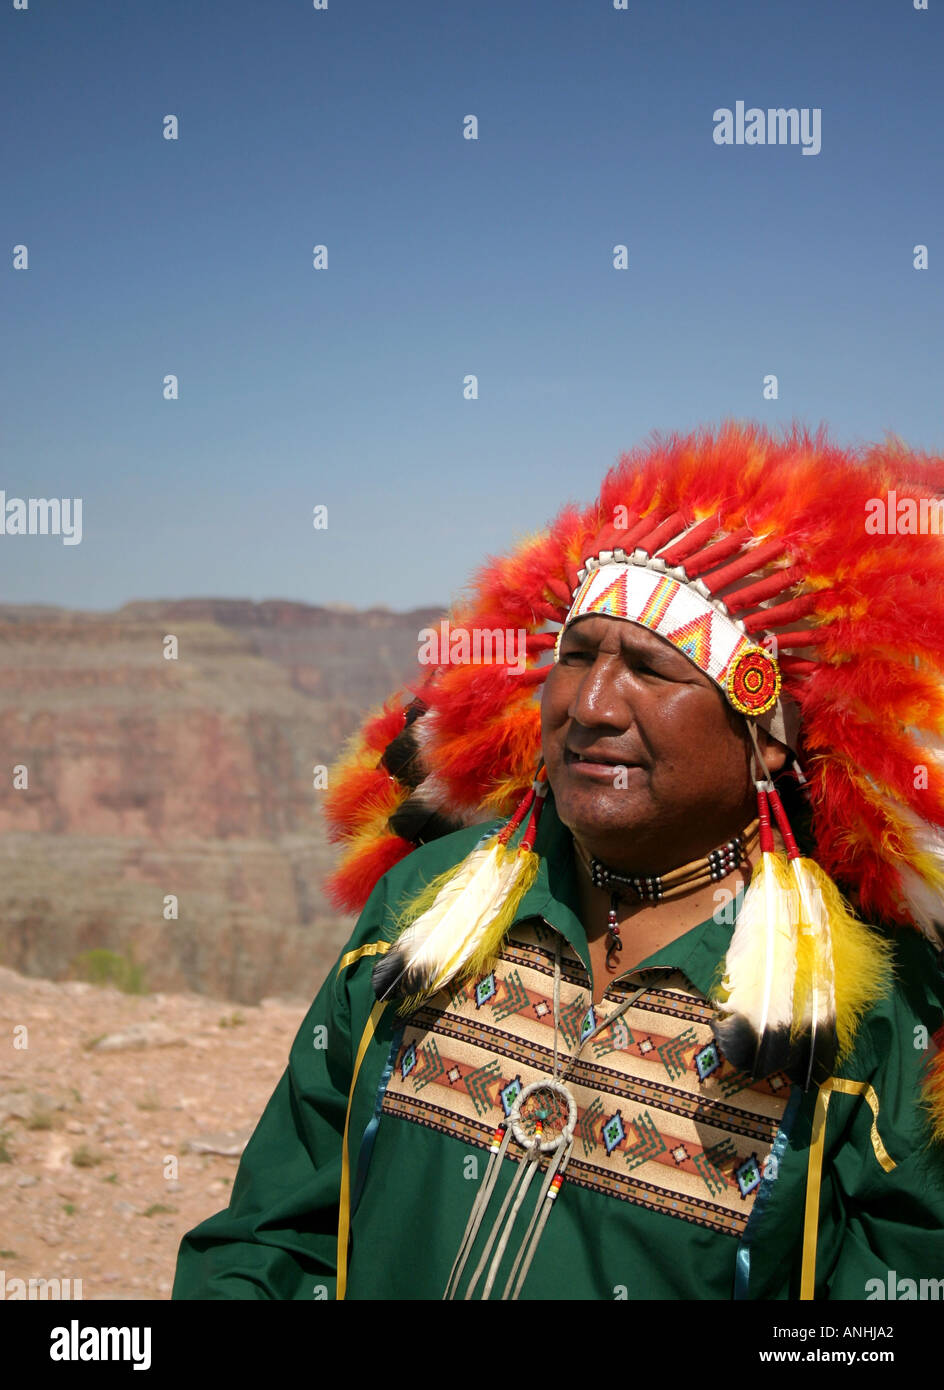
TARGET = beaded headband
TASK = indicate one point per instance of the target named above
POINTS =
(641, 588)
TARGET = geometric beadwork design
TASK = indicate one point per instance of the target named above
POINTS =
(679, 613)
(485, 990)
(711, 1163)
(586, 1130)
(516, 997)
(429, 1066)
(673, 1052)
(734, 1082)
(753, 681)
(476, 1083)
(572, 1019)
(510, 1093)
(707, 1061)
(748, 1175)
(615, 1038)
(669, 607)
(649, 1142)
(662, 1120)
(613, 1132)
(457, 995)
(694, 639)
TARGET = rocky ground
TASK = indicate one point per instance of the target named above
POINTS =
(121, 1122)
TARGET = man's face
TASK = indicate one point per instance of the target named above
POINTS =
(621, 697)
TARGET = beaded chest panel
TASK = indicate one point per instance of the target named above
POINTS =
(663, 1120)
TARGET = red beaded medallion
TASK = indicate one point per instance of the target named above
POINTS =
(753, 681)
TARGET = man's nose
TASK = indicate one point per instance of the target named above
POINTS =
(598, 699)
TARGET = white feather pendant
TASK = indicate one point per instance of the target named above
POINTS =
(443, 938)
(757, 990)
(483, 903)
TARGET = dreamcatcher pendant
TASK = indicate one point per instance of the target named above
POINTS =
(542, 1121)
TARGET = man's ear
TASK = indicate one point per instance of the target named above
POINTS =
(775, 753)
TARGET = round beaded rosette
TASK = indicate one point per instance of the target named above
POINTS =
(753, 682)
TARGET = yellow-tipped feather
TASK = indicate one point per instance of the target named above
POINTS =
(766, 919)
(814, 993)
(485, 953)
(455, 927)
(757, 990)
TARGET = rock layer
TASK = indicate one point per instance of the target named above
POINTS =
(151, 780)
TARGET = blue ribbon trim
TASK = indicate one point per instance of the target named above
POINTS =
(370, 1133)
(742, 1269)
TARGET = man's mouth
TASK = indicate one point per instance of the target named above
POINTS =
(596, 759)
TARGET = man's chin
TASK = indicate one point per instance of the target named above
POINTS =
(605, 818)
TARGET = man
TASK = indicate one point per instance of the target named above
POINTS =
(633, 1044)
(642, 751)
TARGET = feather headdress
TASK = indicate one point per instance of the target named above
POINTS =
(832, 559)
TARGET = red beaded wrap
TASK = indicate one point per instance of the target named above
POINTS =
(783, 825)
(766, 834)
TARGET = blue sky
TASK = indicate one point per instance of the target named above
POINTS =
(446, 256)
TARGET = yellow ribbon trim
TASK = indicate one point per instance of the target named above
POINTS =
(815, 1169)
(344, 1205)
(373, 948)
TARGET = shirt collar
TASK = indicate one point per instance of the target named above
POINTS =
(698, 953)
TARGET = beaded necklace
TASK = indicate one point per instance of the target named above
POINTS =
(655, 888)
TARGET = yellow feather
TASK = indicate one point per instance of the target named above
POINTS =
(839, 956)
(814, 995)
(932, 1095)
(862, 960)
(455, 927)
(483, 958)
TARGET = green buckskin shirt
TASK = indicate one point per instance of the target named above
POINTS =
(687, 1180)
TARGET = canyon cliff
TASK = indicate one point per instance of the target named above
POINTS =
(193, 778)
